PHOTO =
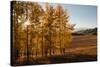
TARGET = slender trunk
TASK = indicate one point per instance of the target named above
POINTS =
(37, 46)
(27, 44)
(42, 42)
(50, 40)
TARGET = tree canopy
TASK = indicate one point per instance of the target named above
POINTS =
(40, 30)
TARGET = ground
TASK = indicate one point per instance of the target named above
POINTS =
(83, 48)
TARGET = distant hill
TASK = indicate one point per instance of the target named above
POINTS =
(91, 31)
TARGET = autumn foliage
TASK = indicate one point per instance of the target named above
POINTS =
(39, 30)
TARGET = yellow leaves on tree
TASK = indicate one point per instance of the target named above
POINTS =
(49, 28)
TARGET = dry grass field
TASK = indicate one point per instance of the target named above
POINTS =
(84, 44)
(83, 49)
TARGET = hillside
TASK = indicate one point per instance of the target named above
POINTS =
(91, 31)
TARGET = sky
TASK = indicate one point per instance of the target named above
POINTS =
(84, 16)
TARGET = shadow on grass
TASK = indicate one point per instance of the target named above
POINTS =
(73, 58)
(58, 59)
